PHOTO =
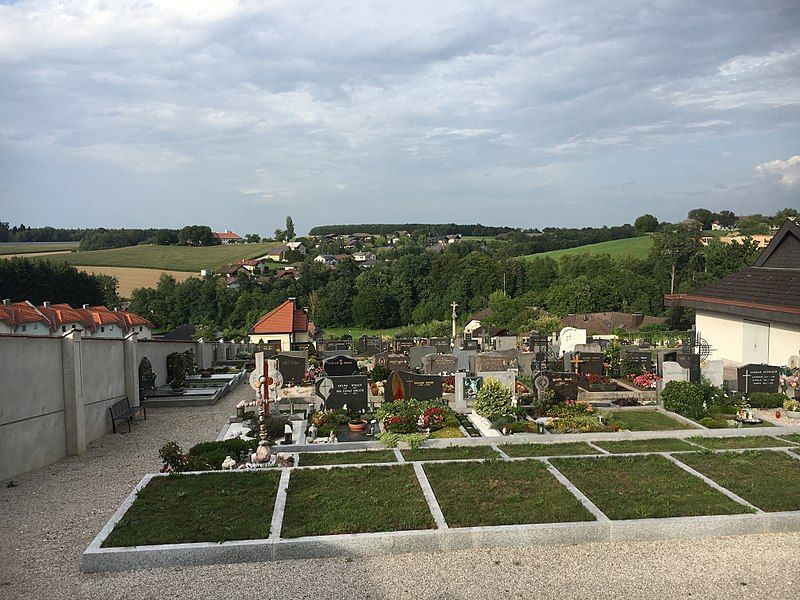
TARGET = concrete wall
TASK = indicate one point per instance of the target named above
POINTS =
(32, 432)
(156, 352)
(725, 335)
(103, 379)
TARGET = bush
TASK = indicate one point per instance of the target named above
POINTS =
(380, 373)
(494, 401)
(713, 423)
(213, 453)
(684, 398)
(766, 400)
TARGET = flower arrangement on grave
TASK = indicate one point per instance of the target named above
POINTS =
(449, 385)
(646, 380)
(432, 418)
(611, 357)
(521, 388)
(598, 380)
(789, 380)
(377, 388)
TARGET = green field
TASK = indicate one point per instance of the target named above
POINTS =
(637, 247)
(171, 258)
(34, 247)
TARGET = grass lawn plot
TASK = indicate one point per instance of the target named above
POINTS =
(502, 493)
(768, 480)
(645, 420)
(354, 500)
(450, 453)
(213, 507)
(644, 487)
(656, 445)
(734, 443)
(311, 459)
(562, 449)
(792, 437)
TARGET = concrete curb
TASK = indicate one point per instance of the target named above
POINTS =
(96, 559)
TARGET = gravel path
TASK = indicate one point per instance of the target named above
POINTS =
(54, 512)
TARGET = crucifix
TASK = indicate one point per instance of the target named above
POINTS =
(454, 305)
(577, 362)
(746, 378)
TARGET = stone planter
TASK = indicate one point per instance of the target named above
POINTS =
(361, 426)
(598, 387)
(792, 414)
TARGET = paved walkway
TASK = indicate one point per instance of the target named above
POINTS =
(51, 516)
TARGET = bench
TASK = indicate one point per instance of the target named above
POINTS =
(122, 410)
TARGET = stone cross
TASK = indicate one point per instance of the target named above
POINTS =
(454, 305)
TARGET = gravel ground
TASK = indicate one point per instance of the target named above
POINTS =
(54, 512)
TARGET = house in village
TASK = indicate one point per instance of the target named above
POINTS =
(277, 253)
(296, 247)
(287, 324)
(474, 322)
(24, 318)
(601, 325)
(361, 257)
(227, 237)
(329, 260)
(753, 316)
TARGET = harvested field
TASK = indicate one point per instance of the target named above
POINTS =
(132, 277)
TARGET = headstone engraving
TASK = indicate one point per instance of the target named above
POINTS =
(417, 353)
(439, 364)
(403, 385)
(758, 378)
(340, 366)
(335, 392)
(292, 368)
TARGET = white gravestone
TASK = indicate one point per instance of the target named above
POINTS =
(672, 371)
(569, 338)
(712, 370)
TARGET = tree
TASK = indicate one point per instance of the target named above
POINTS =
(647, 223)
(703, 216)
(289, 229)
(197, 235)
(673, 247)
(252, 238)
(280, 235)
(726, 218)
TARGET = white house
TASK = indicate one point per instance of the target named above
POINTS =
(286, 324)
(329, 260)
(363, 256)
(753, 316)
(475, 321)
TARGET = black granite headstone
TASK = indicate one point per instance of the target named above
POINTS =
(292, 368)
(758, 378)
(340, 366)
(393, 362)
(405, 385)
(564, 385)
(335, 392)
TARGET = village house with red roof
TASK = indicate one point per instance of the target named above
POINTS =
(227, 237)
(286, 324)
(24, 318)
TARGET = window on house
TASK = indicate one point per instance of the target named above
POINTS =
(63, 328)
(102, 330)
(23, 328)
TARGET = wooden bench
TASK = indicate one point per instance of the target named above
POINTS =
(122, 410)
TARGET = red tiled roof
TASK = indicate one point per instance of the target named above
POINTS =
(286, 318)
(226, 235)
(56, 315)
(61, 314)
(20, 313)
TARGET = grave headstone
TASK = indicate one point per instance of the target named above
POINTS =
(292, 367)
(484, 363)
(504, 342)
(588, 363)
(470, 344)
(758, 378)
(642, 360)
(369, 345)
(713, 370)
(439, 364)
(402, 345)
(526, 362)
(569, 337)
(331, 353)
(147, 379)
(673, 371)
(442, 344)
(306, 347)
(564, 385)
(335, 392)
(406, 385)
(464, 358)
(416, 354)
(507, 379)
(340, 366)
(393, 362)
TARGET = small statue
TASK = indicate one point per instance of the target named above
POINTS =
(332, 437)
(228, 464)
(312, 433)
(287, 433)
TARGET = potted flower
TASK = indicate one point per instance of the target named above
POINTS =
(357, 424)
(792, 408)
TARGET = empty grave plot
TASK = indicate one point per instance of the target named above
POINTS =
(644, 487)
(653, 445)
(450, 453)
(792, 437)
(213, 507)
(561, 449)
(354, 500)
(502, 493)
(312, 459)
(768, 480)
(735, 443)
(646, 420)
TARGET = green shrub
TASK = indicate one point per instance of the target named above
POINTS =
(213, 453)
(766, 399)
(684, 397)
(713, 423)
(494, 401)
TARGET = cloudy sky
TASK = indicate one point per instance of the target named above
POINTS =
(235, 114)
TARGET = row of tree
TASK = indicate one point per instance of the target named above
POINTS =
(41, 280)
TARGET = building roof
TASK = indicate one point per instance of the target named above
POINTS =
(767, 290)
(226, 235)
(604, 323)
(183, 332)
(278, 250)
(481, 314)
(57, 315)
(231, 269)
(286, 318)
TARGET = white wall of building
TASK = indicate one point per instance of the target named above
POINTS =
(725, 334)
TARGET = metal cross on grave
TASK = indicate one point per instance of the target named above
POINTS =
(577, 362)
(746, 378)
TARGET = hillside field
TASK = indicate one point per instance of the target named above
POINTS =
(36, 247)
(170, 258)
(637, 247)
